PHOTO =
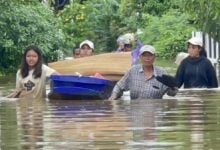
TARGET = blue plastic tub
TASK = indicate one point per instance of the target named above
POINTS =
(75, 90)
(80, 85)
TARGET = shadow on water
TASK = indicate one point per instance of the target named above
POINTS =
(188, 121)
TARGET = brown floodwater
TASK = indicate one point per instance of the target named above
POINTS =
(190, 120)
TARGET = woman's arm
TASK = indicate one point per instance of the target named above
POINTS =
(16, 93)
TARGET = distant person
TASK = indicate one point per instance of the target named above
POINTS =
(32, 74)
(129, 43)
(76, 52)
(135, 52)
(196, 71)
(86, 48)
(120, 44)
(124, 42)
(127, 46)
(141, 80)
(179, 58)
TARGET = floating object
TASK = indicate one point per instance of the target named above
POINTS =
(111, 66)
(79, 87)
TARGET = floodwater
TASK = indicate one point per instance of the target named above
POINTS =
(191, 120)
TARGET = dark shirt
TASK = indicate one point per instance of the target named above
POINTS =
(196, 73)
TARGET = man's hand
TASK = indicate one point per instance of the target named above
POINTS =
(112, 97)
(168, 80)
(172, 91)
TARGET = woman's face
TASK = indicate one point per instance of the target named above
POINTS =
(31, 58)
(193, 50)
(85, 51)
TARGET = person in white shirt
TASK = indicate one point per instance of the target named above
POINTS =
(31, 76)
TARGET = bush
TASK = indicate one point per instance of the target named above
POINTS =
(22, 25)
(167, 33)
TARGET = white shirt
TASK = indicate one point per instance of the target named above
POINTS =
(33, 87)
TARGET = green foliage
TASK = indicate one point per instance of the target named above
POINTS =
(22, 25)
(107, 19)
(164, 25)
(167, 33)
(75, 23)
(90, 20)
(205, 15)
(156, 7)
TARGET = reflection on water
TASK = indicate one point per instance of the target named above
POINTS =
(190, 121)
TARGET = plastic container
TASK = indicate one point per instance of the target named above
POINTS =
(71, 84)
(75, 90)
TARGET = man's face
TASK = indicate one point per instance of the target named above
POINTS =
(77, 53)
(127, 47)
(147, 58)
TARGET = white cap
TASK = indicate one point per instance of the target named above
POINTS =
(127, 38)
(195, 41)
(87, 42)
(147, 48)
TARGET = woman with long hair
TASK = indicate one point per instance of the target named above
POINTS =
(32, 74)
(196, 70)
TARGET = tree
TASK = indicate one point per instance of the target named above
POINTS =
(22, 24)
(88, 20)
(205, 15)
(167, 33)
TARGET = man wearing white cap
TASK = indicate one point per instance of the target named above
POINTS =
(196, 71)
(141, 79)
(86, 48)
